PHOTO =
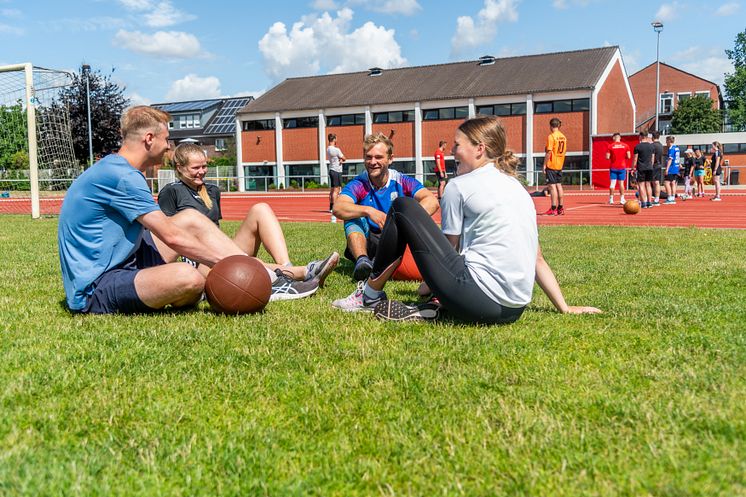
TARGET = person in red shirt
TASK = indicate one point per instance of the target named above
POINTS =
(440, 167)
(617, 154)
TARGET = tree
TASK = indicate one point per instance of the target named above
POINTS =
(107, 104)
(13, 140)
(696, 115)
(735, 83)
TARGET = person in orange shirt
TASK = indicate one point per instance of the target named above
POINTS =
(440, 167)
(553, 162)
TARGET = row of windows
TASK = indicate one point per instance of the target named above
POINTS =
(345, 120)
(447, 113)
(569, 105)
(517, 109)
(394, 117)
(300, 122)
(514, 109)
(667, 99)
(728, 148)
(187, 121)
(259, 125)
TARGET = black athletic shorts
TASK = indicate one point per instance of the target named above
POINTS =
(335, 179)
(672, 177)
(554, 177)
(646, 175)
(114, 291)
(657, 173)
(718, 171)
(441, 176)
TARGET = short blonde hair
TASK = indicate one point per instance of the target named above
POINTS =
(141, 119)
(371, 141)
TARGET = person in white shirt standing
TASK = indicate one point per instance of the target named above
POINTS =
(483, 264)
(336, 159)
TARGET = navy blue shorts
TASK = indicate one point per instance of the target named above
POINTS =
(335, 179)
(553, 176)
(114, 291)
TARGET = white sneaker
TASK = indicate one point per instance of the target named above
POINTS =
(322, 268)
(622, 201)
(716, 199)
(669, 202)
(334, 219)
(357, 301)
(611, 200)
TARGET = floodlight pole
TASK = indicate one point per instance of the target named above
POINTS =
(657, 27)
(87, 72)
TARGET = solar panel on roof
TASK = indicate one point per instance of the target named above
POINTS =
(224, 120)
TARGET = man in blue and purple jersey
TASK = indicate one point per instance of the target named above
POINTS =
(365, 201)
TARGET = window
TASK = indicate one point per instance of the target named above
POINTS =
(259, 125)
(573, 105)
(684, 96)
(666, 103)
(345, 120)
(220, 144)
(486, 110)
(394, 117)
(446, 113)
(702, 94)
(517, 109)
(300, 122)
(170, 125)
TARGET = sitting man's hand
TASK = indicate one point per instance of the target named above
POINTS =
(377, 217)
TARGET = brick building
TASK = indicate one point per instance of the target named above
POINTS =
(675, 86)
(282, 134)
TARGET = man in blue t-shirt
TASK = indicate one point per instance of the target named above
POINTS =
(110, 262)
(365, 201)
(673, 165)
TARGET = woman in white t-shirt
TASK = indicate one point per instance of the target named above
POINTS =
(491, 217)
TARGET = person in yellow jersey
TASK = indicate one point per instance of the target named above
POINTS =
(553, 162)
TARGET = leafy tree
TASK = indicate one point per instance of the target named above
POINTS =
(13, 142)
(735, 83)
(107, 104)
(696, 115)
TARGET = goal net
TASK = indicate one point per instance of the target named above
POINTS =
(37, 160)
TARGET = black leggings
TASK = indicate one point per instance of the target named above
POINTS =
(443, 269)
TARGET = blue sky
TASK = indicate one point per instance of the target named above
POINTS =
(171, 50)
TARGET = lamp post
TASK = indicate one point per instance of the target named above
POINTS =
(657, 27)
(87, 72)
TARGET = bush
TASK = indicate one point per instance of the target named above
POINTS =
(272, 186)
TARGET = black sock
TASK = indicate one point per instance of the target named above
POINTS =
(331, 206)
(560, 206)
(554, 207)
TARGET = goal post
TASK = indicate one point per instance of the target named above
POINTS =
(35, 138)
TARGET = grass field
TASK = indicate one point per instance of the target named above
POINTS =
(646, 399)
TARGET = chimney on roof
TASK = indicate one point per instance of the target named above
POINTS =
(486, 60)
(375, 71)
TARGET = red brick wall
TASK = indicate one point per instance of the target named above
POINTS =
(615, 111)
(515, 131)
(403, 137)
(300, 144)
(672, 80)
(434, 131)
(574, 126)
(349, 140)
(258, 146)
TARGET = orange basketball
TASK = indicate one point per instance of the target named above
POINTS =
(407, 270)
(631, 207)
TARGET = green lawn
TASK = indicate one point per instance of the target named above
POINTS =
(646, 399)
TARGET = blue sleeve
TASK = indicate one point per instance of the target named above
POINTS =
(132, 197)
(410, 186)
(354, 189)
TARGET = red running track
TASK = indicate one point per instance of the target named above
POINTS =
(581, 208)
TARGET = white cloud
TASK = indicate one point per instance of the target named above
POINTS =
(165, 14)
(322, 43)
(471, 34)
(137, 99)
(10, 30)
(193, 87)
(562, 4)
(709, 64)
(559, 4)
(84, 24)
(668, 11)
(727, 9)
(162, 44)
(324, 5)
(403, 7)
(137, 4)
(247, 93)
(157, 14)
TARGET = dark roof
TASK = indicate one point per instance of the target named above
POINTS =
(561, 71)
(192, 105)
(224, 120)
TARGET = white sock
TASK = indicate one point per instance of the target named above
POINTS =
(370, 292)
(272, 275)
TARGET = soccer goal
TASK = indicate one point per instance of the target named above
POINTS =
(37, 160)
